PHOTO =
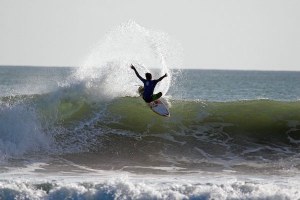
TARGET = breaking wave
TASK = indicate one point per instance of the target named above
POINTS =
(196, 132)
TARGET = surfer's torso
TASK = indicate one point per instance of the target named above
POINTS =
(149, 86)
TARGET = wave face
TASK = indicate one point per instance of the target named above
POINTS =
(124, 131)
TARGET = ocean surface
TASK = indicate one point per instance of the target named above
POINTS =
(84, 133)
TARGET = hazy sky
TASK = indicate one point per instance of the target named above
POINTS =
(223, 34)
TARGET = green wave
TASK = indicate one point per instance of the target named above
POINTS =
(261, 120)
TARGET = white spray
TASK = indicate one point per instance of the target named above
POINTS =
(106, 71)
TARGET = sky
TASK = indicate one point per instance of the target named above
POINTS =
(214, 34)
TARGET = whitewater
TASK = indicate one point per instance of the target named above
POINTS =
(84, 133)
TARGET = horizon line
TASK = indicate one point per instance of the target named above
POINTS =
(188, 68)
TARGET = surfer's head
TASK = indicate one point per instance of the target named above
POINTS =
(148, 76)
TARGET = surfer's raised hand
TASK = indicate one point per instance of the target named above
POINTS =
(161, 78)
(132, 67)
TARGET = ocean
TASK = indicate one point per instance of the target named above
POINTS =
(84, 133)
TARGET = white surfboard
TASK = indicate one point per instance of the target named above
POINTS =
(159, 108)
(156, 106)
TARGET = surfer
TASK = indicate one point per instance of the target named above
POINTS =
(149, 85)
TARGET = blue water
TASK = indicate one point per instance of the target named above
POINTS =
(189, 84)
(221, 85)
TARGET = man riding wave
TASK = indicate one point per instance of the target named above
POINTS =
(149, 85)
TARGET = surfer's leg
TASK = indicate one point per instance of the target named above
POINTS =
(156, 96)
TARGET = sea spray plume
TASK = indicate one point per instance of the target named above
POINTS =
(106, 71)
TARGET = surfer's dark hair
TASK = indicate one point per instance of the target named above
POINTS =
(148, 76)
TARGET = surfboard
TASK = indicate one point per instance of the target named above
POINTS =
(156, 106)
(159, 108)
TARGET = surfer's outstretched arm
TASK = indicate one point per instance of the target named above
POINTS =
(161, 78)
(136, 72)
